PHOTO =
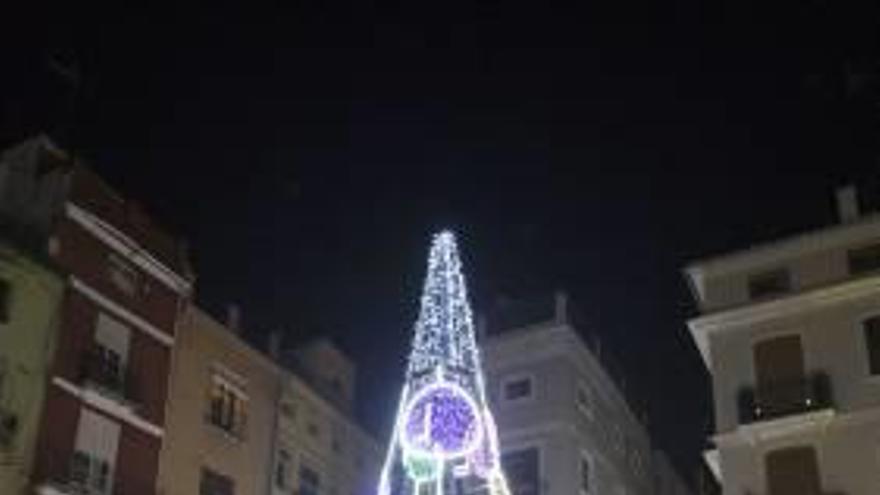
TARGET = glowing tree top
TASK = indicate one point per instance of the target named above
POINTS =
(443, 429)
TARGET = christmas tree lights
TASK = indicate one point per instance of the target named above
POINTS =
(444, 430)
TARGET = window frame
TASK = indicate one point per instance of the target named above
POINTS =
(585, 458)
(304, 467)
(538, 447)
(512, 379)
(229, 416)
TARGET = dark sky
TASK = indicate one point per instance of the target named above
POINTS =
(308, 151)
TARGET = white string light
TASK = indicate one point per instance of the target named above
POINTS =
(444, 427)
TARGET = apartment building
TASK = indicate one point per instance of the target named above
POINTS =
(319, 448)
(790, 331)
(221, 412)
(30, 296)
(565, 427)
(127, 281)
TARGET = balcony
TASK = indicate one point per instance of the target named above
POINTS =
(108, 378)
(79, 474)
(785, 398)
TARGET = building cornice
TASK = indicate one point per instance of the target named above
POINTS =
(121, 312)
(803, 302)
(108, 406)
(127, 247)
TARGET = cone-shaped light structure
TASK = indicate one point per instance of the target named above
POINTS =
(444, 431)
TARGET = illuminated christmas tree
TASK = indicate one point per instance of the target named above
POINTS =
(444, 439)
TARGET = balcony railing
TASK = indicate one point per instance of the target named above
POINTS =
(784, 398)
(69, 476)
(116, 382)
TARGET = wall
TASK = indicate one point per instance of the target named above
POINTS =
(607, 432)
(27, 344)
(203, 347)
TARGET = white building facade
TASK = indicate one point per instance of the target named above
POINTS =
(319, 449)
(565, 428)
(790, 332)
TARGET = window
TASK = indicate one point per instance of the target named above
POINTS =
(5, 300)
(288, 410)
(91, 465)
(90, 474)
(213, 483)
(872, 342)
(227, 410)
(282, 470)
(313, 429)
(124, 276)
(106, 364)
(309, 481)
(585, 473)
(793, 470)
(520, 388)
(523, 471)
(864, 260)
(769, 283)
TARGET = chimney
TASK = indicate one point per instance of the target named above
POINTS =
(275, 339)
(847, 203)
(233, 318)
(561, 307)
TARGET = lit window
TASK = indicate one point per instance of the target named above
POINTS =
(520, 388)
(213, 483)
(864, 260)
(124, 276)
(227, 407)
(872, 341)
(585, 475)
(769, 283)
(91, 464)
(309, 481)
(5, 300)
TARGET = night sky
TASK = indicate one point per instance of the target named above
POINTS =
(308, 151)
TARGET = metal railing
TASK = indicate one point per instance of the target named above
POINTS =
(784, 398)
(118, 383)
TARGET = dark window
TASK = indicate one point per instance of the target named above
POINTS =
(864, 260)
(872, 341)
(518, 389)
(585, 475)
(523, 472)
(213, 483)
(309, 481)
(769, 283)
(282, 468)
(5, 300)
